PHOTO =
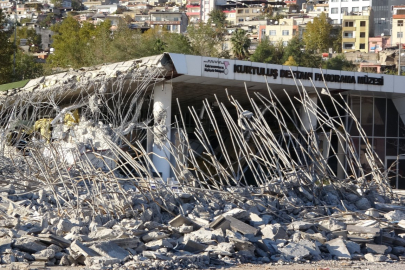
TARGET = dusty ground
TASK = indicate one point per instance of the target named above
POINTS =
(323, 265)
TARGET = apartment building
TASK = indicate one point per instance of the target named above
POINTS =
(356, 30)
(283, 31)
(175, 22)
(198, 10)
(398, 28)
(383, 11)
(339, 8)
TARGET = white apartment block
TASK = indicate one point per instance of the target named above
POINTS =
(338, 8)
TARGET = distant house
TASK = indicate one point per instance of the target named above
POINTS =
(175, 22)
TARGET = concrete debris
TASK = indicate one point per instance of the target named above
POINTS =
(337, 248)
(80, 185)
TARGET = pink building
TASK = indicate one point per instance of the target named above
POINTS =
(379, 43)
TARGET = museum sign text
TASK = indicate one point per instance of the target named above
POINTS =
(307, 75)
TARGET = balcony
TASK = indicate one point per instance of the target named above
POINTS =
(193, 6)
(193, 13)
(349, 28)
(348, 40)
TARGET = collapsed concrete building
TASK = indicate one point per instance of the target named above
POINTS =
(208, 160)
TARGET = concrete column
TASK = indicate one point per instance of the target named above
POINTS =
(162, 112)
(309, 119)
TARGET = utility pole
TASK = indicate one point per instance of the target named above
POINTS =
(399, 52)
(15, 38)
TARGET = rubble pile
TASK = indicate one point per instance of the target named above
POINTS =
(78, 186)
(216, 230)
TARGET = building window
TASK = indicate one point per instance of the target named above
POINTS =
(362, 46)
(400, 35)
(336, 21)
(334, 10)
(362, 34)
(344, 10)
(364, 8)
(348, 34)
(263, 33)
(400, 23)
(174, 28)
(272, 32)
(286, 32)
(362, 23)
(355, 9)
(348, 45)
(285, 43)
(348, 24)
(246, 10)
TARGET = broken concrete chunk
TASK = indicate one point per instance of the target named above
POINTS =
(237, 213)
(337, 247)
(194, 247)
(78, 247)
(5, 243)
(157, 244)
(274, 232)
(364, 230)
(375, 257)
(353, 247)
(110, 250)
(29, 245)
(181, 220)
(154, 236)
(300, 225)
(201, 236)
(395, 215)
(363, 204)
(239, 226)
(295, 251)
(332, 224)
(376, 249)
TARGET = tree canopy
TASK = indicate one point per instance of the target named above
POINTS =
(6, 50)
(218, 17)
(317, 34)
(240, 44)
(339, 63)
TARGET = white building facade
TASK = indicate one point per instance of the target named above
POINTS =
(339, 8)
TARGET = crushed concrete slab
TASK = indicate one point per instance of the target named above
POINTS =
(376, 249)
(110, 250)
(274, 232)
(375, 257)
(337, 248)
(29, 245)
(78, 247)
(192, 246)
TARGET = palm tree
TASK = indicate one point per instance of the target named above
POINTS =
(240, 44)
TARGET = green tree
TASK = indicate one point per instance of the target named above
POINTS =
(71, 43)
(240, 44)
(205, 40)
(6, 50)
(26, 67)
(57, 3)
(177, 43)
(264, 53)
(317, 34)
(48, 20)
(33, 39)
(218, 17)
(339, 62)
(336, 36)
(302, 57)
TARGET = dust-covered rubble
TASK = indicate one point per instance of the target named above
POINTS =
(225, 234)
